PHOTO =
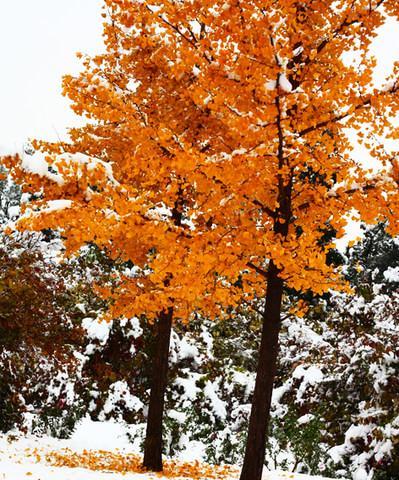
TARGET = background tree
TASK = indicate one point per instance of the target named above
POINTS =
(10, 198)
(42, 307)
(39, 331)
(345, 343)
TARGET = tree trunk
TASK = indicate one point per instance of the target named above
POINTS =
(153, 439)
(267, 365)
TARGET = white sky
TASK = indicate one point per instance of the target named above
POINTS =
(38, 42)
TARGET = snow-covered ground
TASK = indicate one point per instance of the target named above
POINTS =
(24, 456)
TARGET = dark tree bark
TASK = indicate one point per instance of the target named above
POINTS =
(153, 440)
(160, 365)
(267, 365)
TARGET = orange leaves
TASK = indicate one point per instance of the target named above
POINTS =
(130, 463)
(214, 165)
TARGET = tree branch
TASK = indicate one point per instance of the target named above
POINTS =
(307, 60)
(337, 118)
(257, 269)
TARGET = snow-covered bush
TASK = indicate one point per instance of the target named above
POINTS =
(39, 330)
(340, 365)
(42, 304)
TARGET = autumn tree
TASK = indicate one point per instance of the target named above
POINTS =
(232, 117)
(139, 214)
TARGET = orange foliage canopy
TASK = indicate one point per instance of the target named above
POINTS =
(217, 141)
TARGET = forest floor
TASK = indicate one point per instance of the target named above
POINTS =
(100, 452)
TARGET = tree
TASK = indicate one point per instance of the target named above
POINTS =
(373, 263)
(38, 328)
(10, 197)
(238, 113)
(138, 217)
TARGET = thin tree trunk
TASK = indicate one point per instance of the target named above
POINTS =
(267, 365)
(160, 363)
(153, 440)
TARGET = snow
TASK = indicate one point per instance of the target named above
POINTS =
(299, 329)
(17, 463)
(187, 350)
(90, 162)
(270, 85)
(361, 474)
(193, 450)
(180, 417)
(119, 392)
(284, 83)
(189, 384)
(91, 435)
(391, 274)
(14, 211)
(24, 456)
(218, 406)
(56, 205)
(208, 340)
(310, 376)
(97, 329)
(10, 470)
(289, 475)
(245, 379)
(353, 435)
(305, 419)
(278, 392)
(297, 51)
(38, 165)
(136, 330)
